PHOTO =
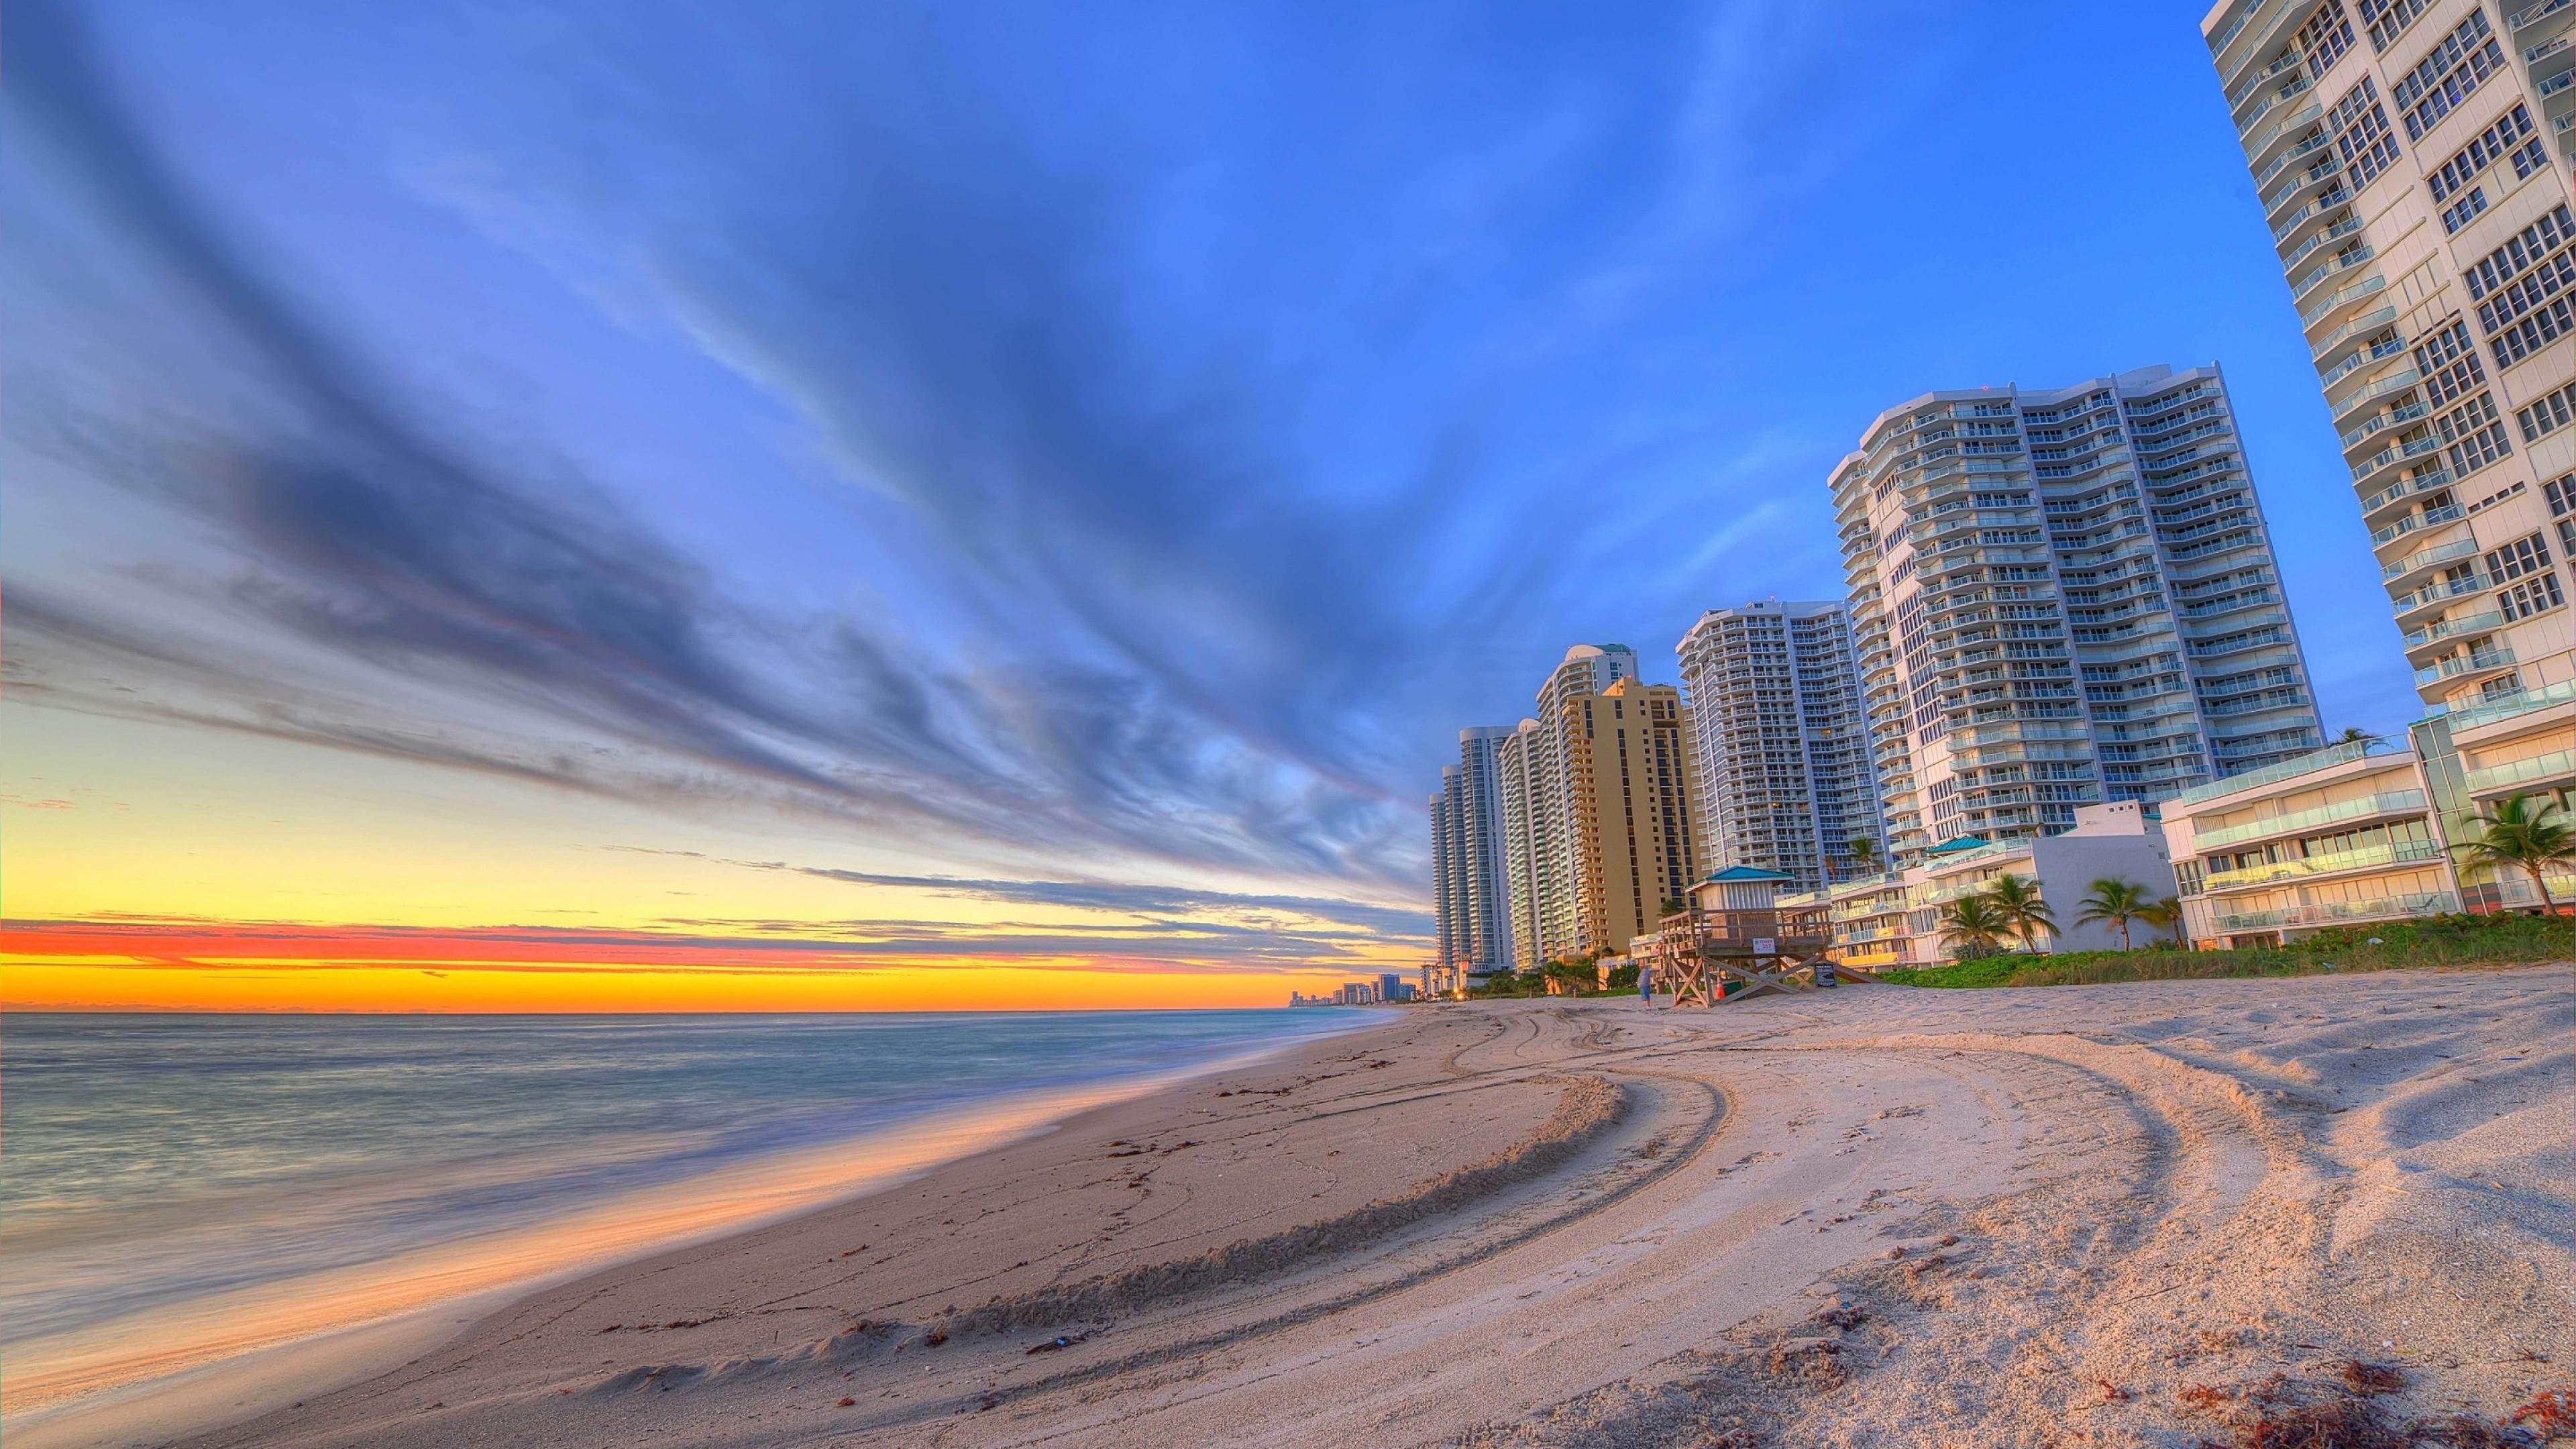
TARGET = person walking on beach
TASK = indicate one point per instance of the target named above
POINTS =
(1646, 984)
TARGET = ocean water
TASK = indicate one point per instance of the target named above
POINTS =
(174, 1189)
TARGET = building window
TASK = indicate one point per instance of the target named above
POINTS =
(2385, 20)
(2449, 362)
(2534, 265)
(2547, 416)
(2465, 210)
(2360, 126)
(2527, 555)
(2323, 40)
(2536, 595)
(2490, 146)
(2449, 75)
(2475, 433)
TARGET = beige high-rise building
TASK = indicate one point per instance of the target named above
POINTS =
(1633, 787)
(1503, 830)
(2412, 159)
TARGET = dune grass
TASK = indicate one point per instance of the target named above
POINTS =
(2444, 941)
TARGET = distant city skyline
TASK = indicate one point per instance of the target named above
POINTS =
(657, 513)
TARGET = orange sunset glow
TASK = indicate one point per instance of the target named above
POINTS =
(205, 966)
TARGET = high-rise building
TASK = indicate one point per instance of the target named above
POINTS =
(1511, 824)
(1631, 786)
(1485, 920)
(2061, 598)
(2412, 158)
(1553, 825)
(1448, 877)
(1517, 760)
(1785, 779)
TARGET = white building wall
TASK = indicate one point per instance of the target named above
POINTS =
(2412, 163)
(1785, 776)
(2063, 597)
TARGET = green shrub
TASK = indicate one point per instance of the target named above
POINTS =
(2442, 941)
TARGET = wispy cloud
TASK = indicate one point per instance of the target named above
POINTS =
(1200, 485)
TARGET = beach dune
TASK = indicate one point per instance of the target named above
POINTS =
(2138, 1214)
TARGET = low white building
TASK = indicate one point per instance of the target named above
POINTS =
(1894, 920)
(2367, 832)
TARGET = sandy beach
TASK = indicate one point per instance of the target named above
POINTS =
(2141, 1214)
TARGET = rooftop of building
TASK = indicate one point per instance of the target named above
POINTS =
(1594, 651)
(2150, 378)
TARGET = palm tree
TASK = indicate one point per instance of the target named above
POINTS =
(2116, 902)
(1864, 856)
(2017, 898)
(2356, 735)
(2165, 914)
(1975, 922)
(2526, 831)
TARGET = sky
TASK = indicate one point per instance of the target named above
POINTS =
(636, 506)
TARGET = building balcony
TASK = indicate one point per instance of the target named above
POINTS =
(2331, 755)
(2556, 768)
(2361, 435)
(2531, 15)
(2371, 807)
(2273, 100)
(2401, 380)
(2403, 489)
(2359, 327)
(2404, 569)
(2291, 230)
(2250, 599)
(2330, 378)
(2369, 857)
(2377, 469)
(2306, 287)
(2416, 523)
(2461, 668)
(2305, 186)
(2437, 595)
(2263, 150)
(2552, 700)
(2260, 35)
(2340, 913)
(2485, 621)
(2516, 892)
(2335, 233)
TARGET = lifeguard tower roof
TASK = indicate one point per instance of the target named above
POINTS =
(1747, 872)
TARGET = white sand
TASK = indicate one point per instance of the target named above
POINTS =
(1455, 1231)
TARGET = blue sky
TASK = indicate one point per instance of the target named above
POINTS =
(1115, 443)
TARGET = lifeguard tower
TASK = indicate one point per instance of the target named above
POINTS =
(1734, 933)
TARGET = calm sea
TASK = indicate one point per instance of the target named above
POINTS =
(174, 1189)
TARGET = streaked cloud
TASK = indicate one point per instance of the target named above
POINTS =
(1088, 464)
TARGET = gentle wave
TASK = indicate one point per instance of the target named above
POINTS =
(178, 1191)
